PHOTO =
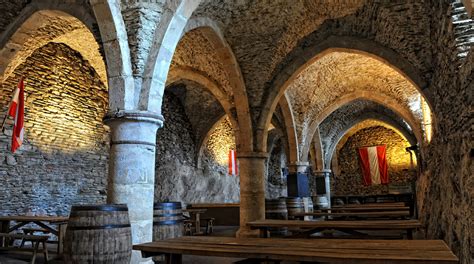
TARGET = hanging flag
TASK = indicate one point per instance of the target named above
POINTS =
(374, 165)
(17, 111)
(233, 168)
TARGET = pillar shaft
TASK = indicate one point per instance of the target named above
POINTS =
(325, 176)
(131, 176)
(252, 190)
(297, 180)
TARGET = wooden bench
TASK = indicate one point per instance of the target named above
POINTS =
(36, 240)
(356, 215)
(350, 227)
(337, 251)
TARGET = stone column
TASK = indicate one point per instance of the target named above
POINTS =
(297, 180)
(131, 178)
(323, 183)
(252, 190)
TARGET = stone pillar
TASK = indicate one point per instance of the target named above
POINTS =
(323, 184)
(297, 180)
(131, 178)
(252, 190)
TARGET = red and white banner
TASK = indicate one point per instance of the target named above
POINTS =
(374, 166)
(17, 112)
(233, 168)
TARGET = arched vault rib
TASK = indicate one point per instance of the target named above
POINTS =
(301, 58)
(348, 99)
(183, 73)
(290, 130)
(212, 32)
(35, 27)
(362, 123)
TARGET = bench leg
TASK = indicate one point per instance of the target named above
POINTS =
(173, 258)
(35, 250)
(410, 234)
(45, 251)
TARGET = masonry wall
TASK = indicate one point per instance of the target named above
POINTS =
(446, 186)
(178, 178)
(63, 160)
(350, 182)
(275, 180)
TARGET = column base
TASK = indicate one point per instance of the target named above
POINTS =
(247, 232)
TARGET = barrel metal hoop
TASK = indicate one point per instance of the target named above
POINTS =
(163, 215)
(168, 222)
(97, 227)
(105, 208)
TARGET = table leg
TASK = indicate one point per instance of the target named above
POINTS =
(198, 223)
(410, 234)
(4, 226)
(61, 233)
(173, 258)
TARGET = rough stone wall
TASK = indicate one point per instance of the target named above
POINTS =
(446, 186)
(350, 180)
(63, 160)
(177, 175)
(9, 10)
(275, 180)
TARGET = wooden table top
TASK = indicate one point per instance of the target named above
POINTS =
(356, 225)
(366, 209)
(324, 250)
(396, 204)
(33, 218)
(195, 210)
(213, 205)
(357, 214)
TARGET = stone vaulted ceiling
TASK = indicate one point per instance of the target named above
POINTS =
(343, 74)
(261, 33)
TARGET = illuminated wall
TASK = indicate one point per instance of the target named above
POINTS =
(64, 157)
(350, 179)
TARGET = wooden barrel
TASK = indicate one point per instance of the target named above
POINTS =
(98, 234)
(294, 205)
(276, 209)
(167, 220)
(321, 201)
(308, 207)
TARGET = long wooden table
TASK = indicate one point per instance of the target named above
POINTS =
(397, 204)
(324, 250)
(350, 227)
(365, 209)
(45, 222)
(377, 214)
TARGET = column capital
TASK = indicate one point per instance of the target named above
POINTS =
(135, 116)
(299, 166)
(252, 155)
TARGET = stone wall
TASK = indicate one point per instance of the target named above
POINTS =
(177, 175)
(275, 182)
(446, 186)
(63, 160)
(350, 182)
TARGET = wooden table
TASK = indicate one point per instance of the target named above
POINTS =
(397, 204)
(349, 227)
(378, 214)
(324, 250)
(365, 209)
(45, 222)
(197, 218)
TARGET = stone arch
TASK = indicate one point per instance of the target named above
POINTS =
(388, 121)
(178, 74)
(347, 99)
(303, 57)
(117, 53)
(213, 33)
(291, 135)
(31, 30)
